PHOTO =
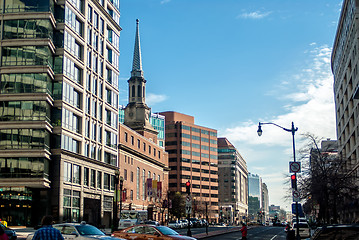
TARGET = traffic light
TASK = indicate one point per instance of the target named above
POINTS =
(188, 187)
(294, 181)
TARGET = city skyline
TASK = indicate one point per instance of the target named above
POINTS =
(266, 61)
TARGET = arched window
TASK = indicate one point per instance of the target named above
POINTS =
(133, 91)
(139, 91)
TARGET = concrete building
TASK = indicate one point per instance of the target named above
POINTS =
(58, 110)
(143, 162)
(232, 181)
(265, 202)
(192, 157)
(346, 85)
(254, 196)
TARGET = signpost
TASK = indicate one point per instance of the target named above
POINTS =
(294, 167)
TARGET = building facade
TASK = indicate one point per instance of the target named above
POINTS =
(143, 162)
(192, 154)
(265, 203)
(254, 196)
(232, 181)
(58, 110)
(346, 85)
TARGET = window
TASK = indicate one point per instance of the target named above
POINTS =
(144, 146)
(77, 174)
(93, 178)
(67, 172)
(138, 143)
(99, 180)
(131, 195)
(132, 140)
(125, 174)
(86, 176)
(138, 183)
(126, 137)
(131, 176)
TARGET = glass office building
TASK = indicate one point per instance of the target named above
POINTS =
(58, 110)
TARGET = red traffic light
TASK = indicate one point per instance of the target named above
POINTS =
(188, 187)
(294, 181)
(292, 177)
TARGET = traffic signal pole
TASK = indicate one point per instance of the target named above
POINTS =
(188, 191)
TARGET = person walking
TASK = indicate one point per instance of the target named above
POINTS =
(47, 231)
(244, 231)
(3, 235)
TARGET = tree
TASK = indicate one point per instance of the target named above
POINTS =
(178, 205)
(324, 183)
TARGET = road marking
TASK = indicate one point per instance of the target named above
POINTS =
(273, 237)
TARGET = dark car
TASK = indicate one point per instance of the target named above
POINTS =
(9, 232)
(337, 232)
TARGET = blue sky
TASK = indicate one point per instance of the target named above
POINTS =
(233, 63)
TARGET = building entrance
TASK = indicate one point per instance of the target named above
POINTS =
(92, 211)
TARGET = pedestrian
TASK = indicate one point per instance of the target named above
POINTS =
(244, 231)
(3, 235)
(47, 231)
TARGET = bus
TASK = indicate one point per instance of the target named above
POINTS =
(129, 218)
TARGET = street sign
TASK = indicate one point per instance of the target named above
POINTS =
(296, 196)
(294, 167)
(300, 210)
(188, 209)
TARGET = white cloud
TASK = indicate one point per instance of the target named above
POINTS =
(309, 103)
(254, 15)
(153, 99)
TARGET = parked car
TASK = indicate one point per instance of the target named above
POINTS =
(150, 222)
(304, 229)
(195, 222)
(150, 232)
(79, 231)
(174, 224)
(9, 232)
(337, 232)
(184, 223)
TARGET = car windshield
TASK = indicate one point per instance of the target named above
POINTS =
(166, 230)
(301, 225)
(88, 230)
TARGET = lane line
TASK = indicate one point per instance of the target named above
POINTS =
(273, 237)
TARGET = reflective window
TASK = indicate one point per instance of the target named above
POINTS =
(12, 6)
(29, 28)
(24, 167)
(24, 139)
(27, 55)
(24, 111)
(25, 83)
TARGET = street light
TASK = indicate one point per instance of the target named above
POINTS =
(292, 130)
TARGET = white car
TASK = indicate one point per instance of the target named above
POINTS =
(304, 230)
(79, 231)
(174, 224)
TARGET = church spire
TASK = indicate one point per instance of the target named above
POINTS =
(137, 62)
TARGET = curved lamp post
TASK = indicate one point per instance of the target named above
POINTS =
(292, 130)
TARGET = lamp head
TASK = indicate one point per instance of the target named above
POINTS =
(259, 131)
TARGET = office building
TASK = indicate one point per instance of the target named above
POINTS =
(143, 162)
(232, 180)
(265, 203)
(59, 110)
(192, 151)
(254, 196)
(346, 92)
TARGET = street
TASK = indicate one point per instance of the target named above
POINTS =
(260, 233)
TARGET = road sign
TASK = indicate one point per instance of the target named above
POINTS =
(188, 209)
(294, 167)
(296, 196)
(188, 200)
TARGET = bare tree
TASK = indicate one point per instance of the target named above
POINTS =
(324, 183)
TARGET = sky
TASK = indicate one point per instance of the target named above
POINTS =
(234, 63)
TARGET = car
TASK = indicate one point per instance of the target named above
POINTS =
(304, 229)
(151, 222)
(174, 224)
(337, 232)
(195, 222)
(80, 231)
(152, 232)
(184, 223)
(9, 232)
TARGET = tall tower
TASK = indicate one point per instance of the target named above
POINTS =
(137, 113)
